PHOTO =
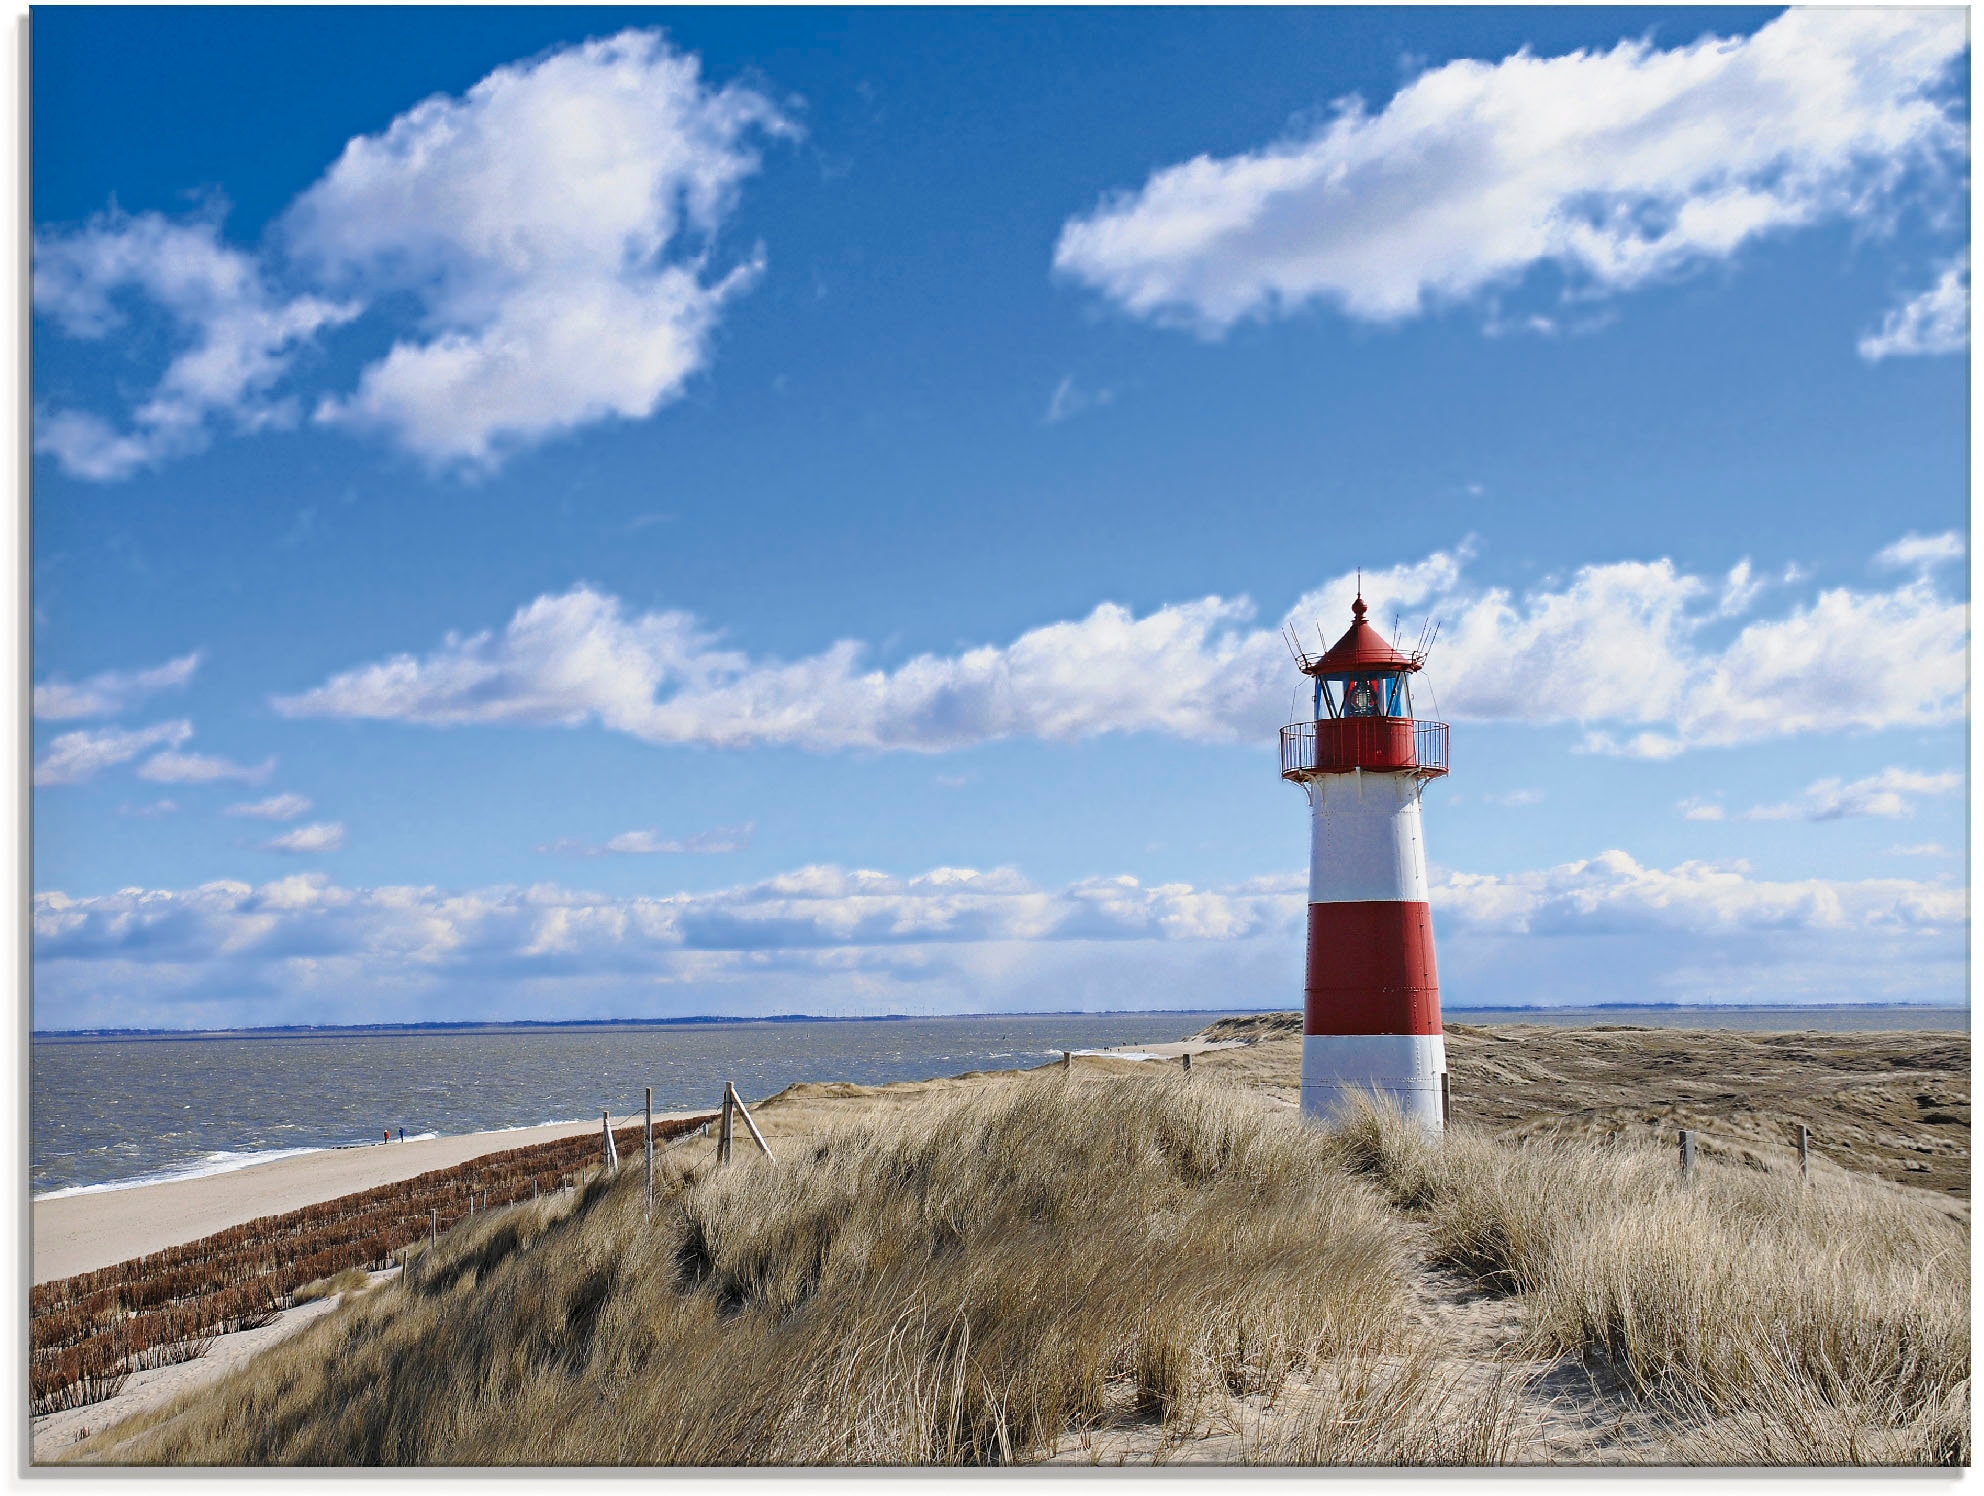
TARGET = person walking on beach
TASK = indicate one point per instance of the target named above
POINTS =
(386, 1136)
(402, 1134)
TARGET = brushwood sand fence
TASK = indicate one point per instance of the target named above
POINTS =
(88, 1333)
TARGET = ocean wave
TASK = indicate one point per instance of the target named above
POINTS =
(223, 1162)
(227, 1161)
(1114, 1054)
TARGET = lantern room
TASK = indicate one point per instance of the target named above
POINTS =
(1363, 711)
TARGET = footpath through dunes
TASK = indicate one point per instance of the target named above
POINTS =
(1115, 1262)
(1891, 1103)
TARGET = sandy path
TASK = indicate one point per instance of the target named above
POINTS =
(77, 1233)
(1560, 1413)
(1563, 1412)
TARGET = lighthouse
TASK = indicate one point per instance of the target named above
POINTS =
(1371, 994)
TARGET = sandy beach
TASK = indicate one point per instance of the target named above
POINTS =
(76, 1233)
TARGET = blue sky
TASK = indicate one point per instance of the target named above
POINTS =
(553, 513)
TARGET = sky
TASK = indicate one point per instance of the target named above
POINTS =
(563, 513)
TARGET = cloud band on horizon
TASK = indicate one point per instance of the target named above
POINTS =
(310, 950)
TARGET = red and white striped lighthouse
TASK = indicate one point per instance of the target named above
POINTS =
(1371, 1020)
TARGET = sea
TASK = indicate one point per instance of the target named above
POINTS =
(107, 1111)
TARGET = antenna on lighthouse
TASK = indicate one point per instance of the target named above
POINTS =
(1290, 638)
(1429, 634)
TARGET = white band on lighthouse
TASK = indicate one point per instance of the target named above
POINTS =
(1364, 839)
(1340, 1072)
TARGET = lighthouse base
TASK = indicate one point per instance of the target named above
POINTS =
(1402, 1070)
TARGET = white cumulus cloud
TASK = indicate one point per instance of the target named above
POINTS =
(1936, 320)
(648, 843)
(239, 336)
(1621, 647)
(1890, 794)
(110, 693)
(1830, 665)
(1920, 552)
(76, 756)
(283, 807)
(554, 224)
(201, 768)
(552, 232)
(1616, 167)
(318, 836)
(1613, 892)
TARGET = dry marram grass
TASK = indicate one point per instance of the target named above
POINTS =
(993, 1276)
(1777, 1323)
(966, 1287)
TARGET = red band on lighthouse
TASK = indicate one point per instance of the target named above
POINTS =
(1371, 970)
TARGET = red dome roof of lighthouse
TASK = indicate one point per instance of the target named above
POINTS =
(1361, 648)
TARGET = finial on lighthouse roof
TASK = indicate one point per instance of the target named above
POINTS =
(1362, 648)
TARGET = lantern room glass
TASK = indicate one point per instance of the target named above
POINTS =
(1374, 695)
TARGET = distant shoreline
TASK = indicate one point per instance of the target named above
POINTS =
(512, 1025)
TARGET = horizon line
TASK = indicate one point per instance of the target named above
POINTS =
(426, 1025)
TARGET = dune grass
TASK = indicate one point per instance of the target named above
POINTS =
(1036, 1269)
(965, 1286)
(351, 1280)
(1781, 1323)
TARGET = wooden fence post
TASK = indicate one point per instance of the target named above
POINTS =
(610, 1153)
(1186, 1058)
(1805, 1152)
(1067, 1059)
(647, 1145)
(724, 1127)
(756, 1136)
(1687, 1153)
(433, 1225)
